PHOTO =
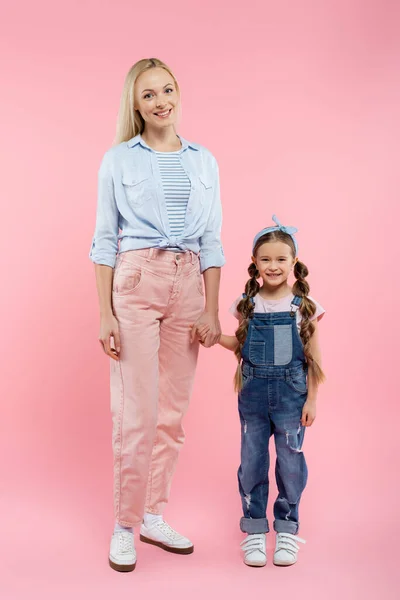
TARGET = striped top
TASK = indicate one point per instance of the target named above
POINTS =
(176, 186)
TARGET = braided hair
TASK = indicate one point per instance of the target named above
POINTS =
(307, 307)
(246, 309)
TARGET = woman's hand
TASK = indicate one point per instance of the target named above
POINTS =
(207, 328)
(309, 412)
(109, 329)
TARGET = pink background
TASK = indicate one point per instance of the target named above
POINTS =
(299, 101)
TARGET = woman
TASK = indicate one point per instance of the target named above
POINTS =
(157, 229)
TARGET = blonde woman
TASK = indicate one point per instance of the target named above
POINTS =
(157, 230)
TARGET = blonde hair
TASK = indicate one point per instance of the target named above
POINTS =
(130, 122)
(307, 307)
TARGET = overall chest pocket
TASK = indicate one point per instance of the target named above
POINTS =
(271, 345)
(137, 187)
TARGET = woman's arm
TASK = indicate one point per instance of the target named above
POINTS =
(310, 407)
(209, 320)
(211, 261)
(103, 253)
(108, 322)
(211, 252)
(105, 239)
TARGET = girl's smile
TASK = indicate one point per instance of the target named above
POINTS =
(274, 262)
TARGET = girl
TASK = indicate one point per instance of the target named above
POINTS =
(276, 345)
(159, 198)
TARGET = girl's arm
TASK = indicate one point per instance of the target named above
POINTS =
(310, 407)
(229, 342)
(226, 341)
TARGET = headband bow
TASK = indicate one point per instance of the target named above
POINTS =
(279, 227)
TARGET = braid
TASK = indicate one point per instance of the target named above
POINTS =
(246, 309)
(307, 309)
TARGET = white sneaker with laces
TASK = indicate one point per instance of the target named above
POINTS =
(286, 549)
(254, 548)
(122, 555)
(162, 535)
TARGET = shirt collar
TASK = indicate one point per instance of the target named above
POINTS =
(138, 140)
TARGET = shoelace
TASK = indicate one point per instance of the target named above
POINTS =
(125, 544)
(252, 542)
(287, 541)
(168, 531)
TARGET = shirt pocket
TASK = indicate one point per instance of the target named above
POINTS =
(206, 188)
(137, 187)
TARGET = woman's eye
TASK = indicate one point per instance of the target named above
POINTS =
(147, 96)
(169, 90)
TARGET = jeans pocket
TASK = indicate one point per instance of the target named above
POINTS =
(245, 381)
(127, 280)
(298, 381)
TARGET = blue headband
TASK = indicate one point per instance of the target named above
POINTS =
(289, 230)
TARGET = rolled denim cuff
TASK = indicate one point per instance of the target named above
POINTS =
(254, 525)
(282, 526)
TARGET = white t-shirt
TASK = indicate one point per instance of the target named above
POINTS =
(282, 305)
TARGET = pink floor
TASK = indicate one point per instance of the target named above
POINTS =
(55, 545)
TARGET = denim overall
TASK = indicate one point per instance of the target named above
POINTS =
(270, 403)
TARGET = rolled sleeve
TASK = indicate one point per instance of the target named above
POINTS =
(211, 251)
(105, 240)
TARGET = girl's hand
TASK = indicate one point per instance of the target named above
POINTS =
(208, 329)
(309, 413)
(199, 333)
(109, 329)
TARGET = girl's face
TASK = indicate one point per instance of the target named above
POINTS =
(156, 98)
(274, 261)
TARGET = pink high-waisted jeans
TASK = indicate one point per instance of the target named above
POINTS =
(157, 295)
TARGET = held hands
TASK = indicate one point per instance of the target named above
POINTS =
(309, 412)
(109, 329)
(207, 329)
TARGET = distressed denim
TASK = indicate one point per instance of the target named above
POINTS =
(271, 403)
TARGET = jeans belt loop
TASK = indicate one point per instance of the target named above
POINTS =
(150, 255)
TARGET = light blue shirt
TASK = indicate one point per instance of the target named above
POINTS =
(132, 212)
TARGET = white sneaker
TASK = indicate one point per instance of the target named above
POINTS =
(122, 555)
(254, 548)
(162, 535)
(286, 549)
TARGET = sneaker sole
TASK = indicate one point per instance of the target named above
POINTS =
(165, 547)
(255, 566)
(283, 564)
(121, 568)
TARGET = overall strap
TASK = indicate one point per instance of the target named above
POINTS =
(251, 299)
(295, 305)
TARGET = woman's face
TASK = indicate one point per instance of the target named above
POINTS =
(156, 98)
